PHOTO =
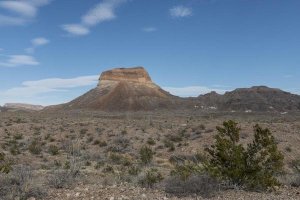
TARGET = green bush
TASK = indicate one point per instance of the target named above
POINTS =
(151, 141)
(170, 145)
(185, 171)
(35, 147)
(146, 155)
(151, 177)
(254, 167)
(53, 150)
(5, 166)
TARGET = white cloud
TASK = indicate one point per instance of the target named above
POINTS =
(59, 83)
(21, 12)
(104, 11)
(149, 29)
(32, 91)
(76, 29)
(19, 7)
(37, 42)
(192, 91)
(7, 20)
(19, 60)
(180, 11)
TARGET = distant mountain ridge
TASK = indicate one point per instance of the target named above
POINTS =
(22, 106)
(257, 98)
(132, 89)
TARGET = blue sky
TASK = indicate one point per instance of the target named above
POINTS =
(52, 51)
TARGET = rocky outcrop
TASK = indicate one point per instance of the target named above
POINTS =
(136, 75)
(125, 89)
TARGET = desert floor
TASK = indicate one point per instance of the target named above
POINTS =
(95, 155)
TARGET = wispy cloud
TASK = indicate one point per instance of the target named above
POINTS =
(192, 91)
(180, 11)
(29, 91)
(149, 29)
(102, 12)
(18, 60)
(35, 43)
(76, 29)
(20, 12)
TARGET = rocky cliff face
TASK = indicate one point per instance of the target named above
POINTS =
(136, 75)
(124, 89)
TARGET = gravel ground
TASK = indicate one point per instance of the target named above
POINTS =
(134, 193)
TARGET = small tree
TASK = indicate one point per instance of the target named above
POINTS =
(263, 158)
(253, 167)
(227, 156)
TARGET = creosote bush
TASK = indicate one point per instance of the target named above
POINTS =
(53, 150)
(151, 177)
(35, 147)
(254, 167)
(146, 155)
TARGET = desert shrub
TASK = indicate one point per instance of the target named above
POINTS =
(170, 145)
(61, 178)
(120, 159)
(35, 147)
(288, 149)
(108, 169)
(53, 150)
(5, 166)
(14, 148)
(295, 164)
(151, 177)
(199, 184)
(66, 175)
(151, 141)
(182, 159)
(96, 142)
(102, 144)
(18, 136)
(185, 171)
(121, 143)
(175, 137)
(254, 167)
(146, 154)
(83, 131)
(134, 170)
(20, 184)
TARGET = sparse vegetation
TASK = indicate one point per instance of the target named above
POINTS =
(169, 156)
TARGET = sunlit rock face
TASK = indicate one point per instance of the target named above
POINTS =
(136, 74)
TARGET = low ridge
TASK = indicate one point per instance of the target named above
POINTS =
(257, 98)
